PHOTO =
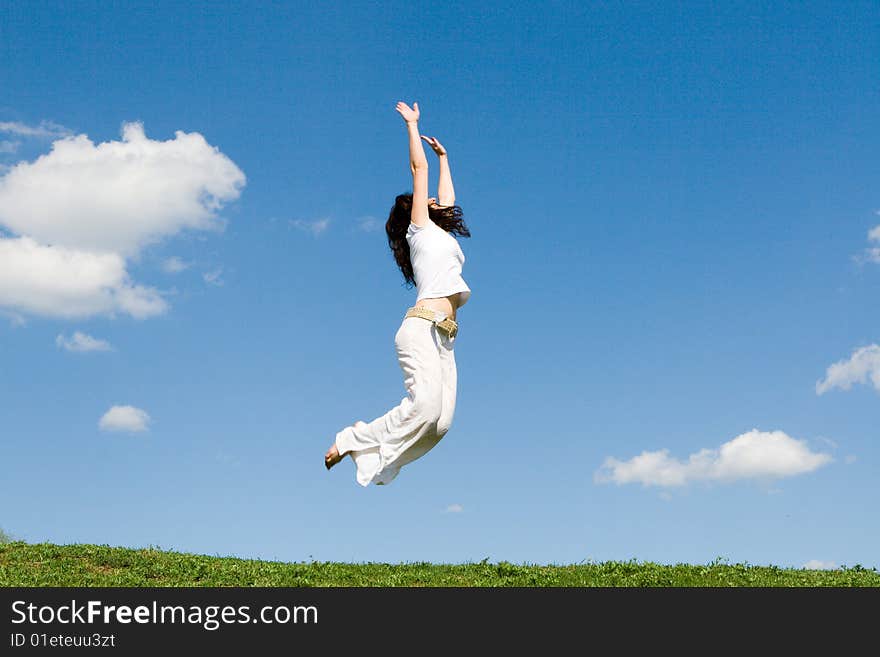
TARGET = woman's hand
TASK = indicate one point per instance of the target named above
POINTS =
(436, 145)
(409, 115)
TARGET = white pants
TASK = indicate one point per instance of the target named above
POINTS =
(406, 432)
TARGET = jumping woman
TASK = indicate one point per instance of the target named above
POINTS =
(420, 233)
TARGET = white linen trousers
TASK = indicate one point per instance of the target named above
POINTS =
(410, 429)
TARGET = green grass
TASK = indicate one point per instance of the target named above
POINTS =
(45, 564)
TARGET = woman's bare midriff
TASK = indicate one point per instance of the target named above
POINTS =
(446, 304)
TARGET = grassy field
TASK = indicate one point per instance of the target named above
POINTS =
(45, 564)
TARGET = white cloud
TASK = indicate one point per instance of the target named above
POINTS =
(45, 129)
(58, 282)
(815, 564)
(213, 277)
(752, 455)
(118, 196)
(368, 224)
(124, 418)
(174, 265)
(9, 146)
(864, 364)
(226, 458)
(14, 318)
(82, 342)
(454, 508)
(314, 227)
(87, 209)
(868, 255)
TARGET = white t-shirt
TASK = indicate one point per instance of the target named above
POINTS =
(437, 260)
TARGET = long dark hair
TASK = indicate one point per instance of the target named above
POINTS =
(450, 218)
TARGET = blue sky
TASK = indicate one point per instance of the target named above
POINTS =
(670, 353)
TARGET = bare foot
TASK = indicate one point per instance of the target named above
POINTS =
(332, 457)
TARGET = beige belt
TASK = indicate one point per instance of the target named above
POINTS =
(448, 326)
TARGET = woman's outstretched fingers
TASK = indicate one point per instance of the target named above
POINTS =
(408, 114)
(435, 145)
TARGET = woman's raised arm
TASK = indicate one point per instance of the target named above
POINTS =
(418, 164)
(445, 190)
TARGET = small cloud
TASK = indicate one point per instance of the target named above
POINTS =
(454, 508)
(864, 364)
(815, 564)
(124, 418)
(213, 277)
(226, 458)
(368, 224)
(756, 454)
(665, 496)
(175, 265)
(15, 320)
(45, 129)
(849, 459)
(313, 227)
(82, 342)
(9, 146)
(868, 255)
